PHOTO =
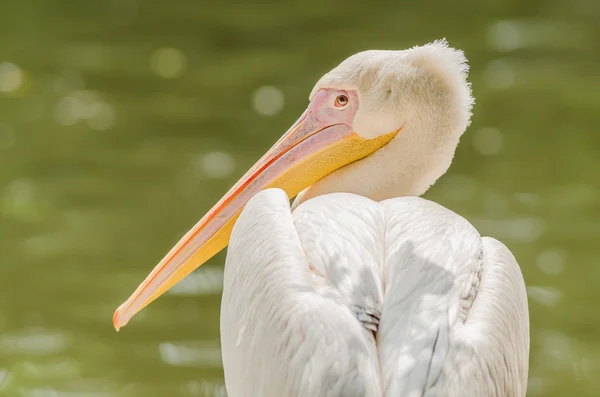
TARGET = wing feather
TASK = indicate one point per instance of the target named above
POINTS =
(304, 295)
(280, 337)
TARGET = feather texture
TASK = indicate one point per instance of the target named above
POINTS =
(304, 291)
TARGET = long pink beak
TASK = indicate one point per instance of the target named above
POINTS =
(315, 146)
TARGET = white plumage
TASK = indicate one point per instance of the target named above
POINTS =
(302, 292)
(362, 290)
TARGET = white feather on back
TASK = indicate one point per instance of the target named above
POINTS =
(301, 289)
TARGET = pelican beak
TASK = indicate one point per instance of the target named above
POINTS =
(320, 142)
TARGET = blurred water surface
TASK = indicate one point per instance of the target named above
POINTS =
(122, 122)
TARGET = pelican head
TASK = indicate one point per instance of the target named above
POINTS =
(382, 124)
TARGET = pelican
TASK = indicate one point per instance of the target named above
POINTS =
(360, 288)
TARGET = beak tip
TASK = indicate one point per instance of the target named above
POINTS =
(118, 323)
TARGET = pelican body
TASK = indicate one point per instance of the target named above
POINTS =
(361, 288)
(358, 298)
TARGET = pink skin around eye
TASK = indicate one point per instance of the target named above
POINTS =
(323, 107)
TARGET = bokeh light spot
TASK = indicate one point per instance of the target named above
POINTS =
(217, 164)
(101, 116)
(168, 62)
(488, 141)
(68, 110)
(4, 378)
(546, 296)
(204, 281)
(85, 105)
(551, 261)
(34, 341)
(11, 77)
(268, 100)
(520, 229)
(205, 389)
(191, 354)
(504, 36)
(22, 200)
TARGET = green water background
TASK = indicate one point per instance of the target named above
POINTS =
(122, 122)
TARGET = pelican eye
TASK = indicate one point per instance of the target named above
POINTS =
(341, 101)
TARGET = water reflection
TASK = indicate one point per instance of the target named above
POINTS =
(122, 122)
(34, 342)
(525, 229)
(547, 296)
(205, 281)
(192, 354)
(85, 106)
